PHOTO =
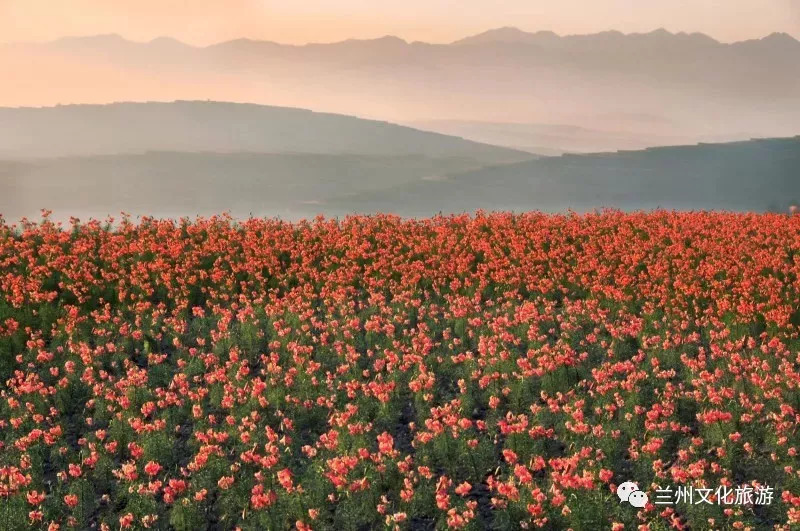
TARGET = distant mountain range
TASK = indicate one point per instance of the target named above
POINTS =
(614, 45)
(695, 86)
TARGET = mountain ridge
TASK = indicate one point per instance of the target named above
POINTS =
(702, 87)
(510, 34)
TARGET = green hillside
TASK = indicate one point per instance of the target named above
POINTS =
(753, 175)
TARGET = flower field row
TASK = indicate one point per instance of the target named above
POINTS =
(469, 372)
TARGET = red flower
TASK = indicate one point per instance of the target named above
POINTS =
(74, 470)
(152, 468)
(126, 521)
(35, 498)
(385, 443)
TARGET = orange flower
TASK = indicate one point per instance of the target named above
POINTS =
(463, 489)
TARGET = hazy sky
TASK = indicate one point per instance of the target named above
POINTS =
(290, 21)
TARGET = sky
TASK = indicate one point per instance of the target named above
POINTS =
(203, 22)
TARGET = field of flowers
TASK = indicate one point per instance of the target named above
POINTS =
(474, 372)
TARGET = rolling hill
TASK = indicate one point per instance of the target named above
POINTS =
(754, 175)
(192, 126)
(175, 184)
